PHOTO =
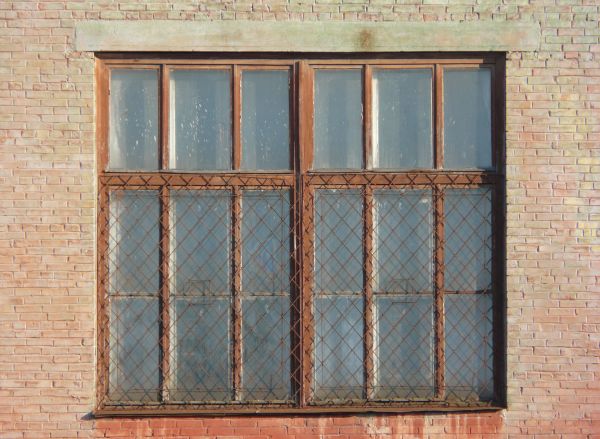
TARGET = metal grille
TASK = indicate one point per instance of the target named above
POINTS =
(204, 307)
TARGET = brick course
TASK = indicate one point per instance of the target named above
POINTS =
(47, 223)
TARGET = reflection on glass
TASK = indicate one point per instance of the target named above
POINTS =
(200, 120)
(468, 234)
(265, 119)
(201, 340)
(266, 348)
(404, 346)
(134, 352)
(339, 354)
(403, 241)
(338, 240)
(467, 119)
(338, 119)
(468, 340)
(402, 134)
(201, 241)
(133, 137)
(133, 242)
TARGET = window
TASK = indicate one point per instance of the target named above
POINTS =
(296, 235)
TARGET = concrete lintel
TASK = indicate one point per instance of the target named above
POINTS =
(253, 36)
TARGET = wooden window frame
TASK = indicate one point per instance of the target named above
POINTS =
(302, 181)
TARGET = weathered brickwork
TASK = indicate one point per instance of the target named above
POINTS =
(47, 222)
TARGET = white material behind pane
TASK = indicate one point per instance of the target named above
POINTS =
(467, 119)
(338, 119)
(200, 119)
(133, 139)
(402, 134)
(265, 120)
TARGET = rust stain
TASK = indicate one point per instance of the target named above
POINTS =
(365, 40)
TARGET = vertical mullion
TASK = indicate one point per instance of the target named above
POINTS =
(164, 117)
(237, 288)
(103, 309)
(367, 116)
(439, 117)
(307, 317)
(440, 360)
(306, 116)
(236, 116)
(368, 291)
(164, 292)
(306, 227)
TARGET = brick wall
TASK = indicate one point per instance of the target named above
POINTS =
(47, 222)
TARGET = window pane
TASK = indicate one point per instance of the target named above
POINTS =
(338, 119)
(338, 356)
(469, 353)
(201, 242)
(403, 242)
(266, 251)
(266, 119)
(468, 233)
(133, 242)
(134, 351)
(133, 119)
(403, 342)
(201, 348)
(200, 119)
(338, 241)
(467, 119)
(266, 373)
(402, 135)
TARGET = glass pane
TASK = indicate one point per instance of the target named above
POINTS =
(338, 241)
(338, 357)
(468, 233)
(133, 119)
(266, 119)
(133, 242)
(134, 351)
(403, 242)
(338, 119)
(200, 119)
(266, 240)
(266, 348)
(201, 242)
(201, 349)
(467, 119)
(402, 134)
(403, 343)
(469, 346)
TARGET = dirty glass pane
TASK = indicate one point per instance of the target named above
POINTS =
(133, 138)
(265, 119)
(402, 133)
(338, 119)
(266, 348)
(133, 242)
(468, 234)
(201, 348)
(201, 242)
(338, 354)
(266, 241)
(403, 241)
(469, 342)
(403, 339)
(200, 119)
(134, 349)
(338, 240)
(467, 119)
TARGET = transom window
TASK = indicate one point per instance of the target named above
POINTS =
(299, 234)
